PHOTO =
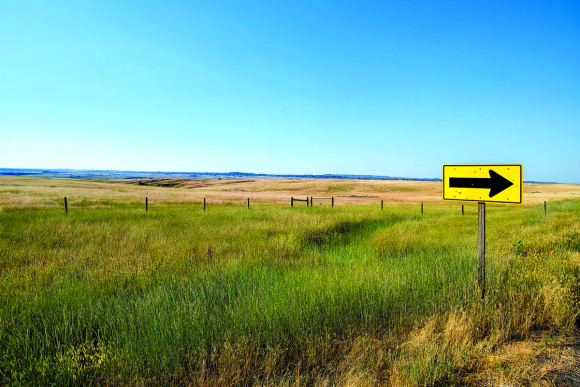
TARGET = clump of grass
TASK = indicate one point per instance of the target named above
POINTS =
(385, 188)
(337, 188)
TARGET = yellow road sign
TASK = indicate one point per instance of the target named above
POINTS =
(499, 183)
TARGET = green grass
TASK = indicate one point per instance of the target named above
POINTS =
(114, 295)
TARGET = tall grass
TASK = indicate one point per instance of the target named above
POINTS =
(273, 295)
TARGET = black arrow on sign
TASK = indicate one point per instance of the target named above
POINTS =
(496, 183)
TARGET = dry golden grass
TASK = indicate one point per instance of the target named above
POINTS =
(33, 191)
(541, 360)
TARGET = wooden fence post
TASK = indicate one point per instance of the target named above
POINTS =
(204, 204)
(544, 207)
(421, 208)
(146, 204)
(65, 206)
(333, 201)
(291, 202)
(248, 203)
(462, 210)
(481, 248)
(311, 202)
(381, 204)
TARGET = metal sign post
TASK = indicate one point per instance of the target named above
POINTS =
(495, 183)
(481, 248)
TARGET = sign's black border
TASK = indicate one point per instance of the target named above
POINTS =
(486, 165)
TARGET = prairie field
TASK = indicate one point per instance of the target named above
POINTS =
(276, 296)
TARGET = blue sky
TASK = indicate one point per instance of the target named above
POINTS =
(394, 88)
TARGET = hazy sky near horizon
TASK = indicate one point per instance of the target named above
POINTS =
(395, 88)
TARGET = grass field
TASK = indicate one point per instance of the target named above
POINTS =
(273, 296)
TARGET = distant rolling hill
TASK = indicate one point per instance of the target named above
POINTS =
(112, 174)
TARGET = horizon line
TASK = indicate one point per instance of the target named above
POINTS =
(43, 171)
